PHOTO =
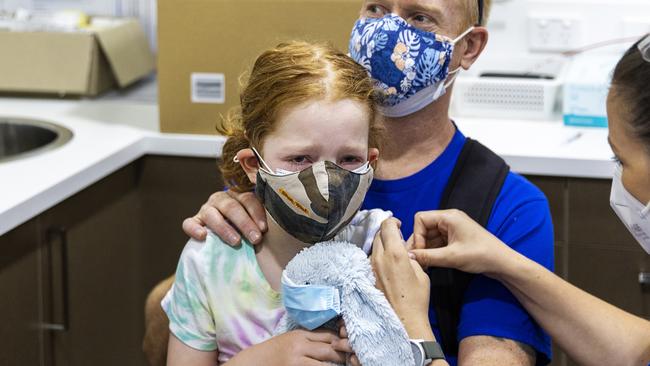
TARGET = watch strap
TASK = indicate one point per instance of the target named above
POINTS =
(432, 350)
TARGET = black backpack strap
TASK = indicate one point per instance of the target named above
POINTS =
(473, 188)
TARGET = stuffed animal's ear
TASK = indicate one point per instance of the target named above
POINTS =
(374, 330)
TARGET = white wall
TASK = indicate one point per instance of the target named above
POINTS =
(599, 20)
(509, 22)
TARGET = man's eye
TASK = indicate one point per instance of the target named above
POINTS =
(423, 22)
(421, 18)
(375, 11)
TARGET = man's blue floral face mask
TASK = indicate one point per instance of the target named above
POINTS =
(409, 65)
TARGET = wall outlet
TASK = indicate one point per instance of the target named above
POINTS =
(554, 33)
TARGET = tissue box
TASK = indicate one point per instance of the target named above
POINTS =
(585, 90)
(204, 47)
(81, 62)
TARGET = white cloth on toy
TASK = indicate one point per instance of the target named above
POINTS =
(362, 229)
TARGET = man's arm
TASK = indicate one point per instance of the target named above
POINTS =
(487, 350)
(523, 221)
(156, 325)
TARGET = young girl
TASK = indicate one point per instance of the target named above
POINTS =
(303, 140)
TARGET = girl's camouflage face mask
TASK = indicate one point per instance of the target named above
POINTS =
(410, 66)
(313, 204)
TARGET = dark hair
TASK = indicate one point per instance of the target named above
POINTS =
(631, 81)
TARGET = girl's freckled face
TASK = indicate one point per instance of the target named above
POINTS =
(319, 130)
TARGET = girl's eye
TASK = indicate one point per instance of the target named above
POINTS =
(616, 160)
(347, 160)
(300, 160)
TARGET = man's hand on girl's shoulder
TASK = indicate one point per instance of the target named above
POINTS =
(228, 214)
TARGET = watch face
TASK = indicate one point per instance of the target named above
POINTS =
(418, 355)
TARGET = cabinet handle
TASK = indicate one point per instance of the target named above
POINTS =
(62, 234)
(644, 278)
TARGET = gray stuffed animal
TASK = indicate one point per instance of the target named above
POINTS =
(374, 330)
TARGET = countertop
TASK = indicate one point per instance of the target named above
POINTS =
(117, 129)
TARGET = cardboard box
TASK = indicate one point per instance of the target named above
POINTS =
(79, 63)
(204, 46)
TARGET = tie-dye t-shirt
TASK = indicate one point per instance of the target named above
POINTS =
(220, 299)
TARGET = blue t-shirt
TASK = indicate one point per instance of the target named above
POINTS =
(520, 218)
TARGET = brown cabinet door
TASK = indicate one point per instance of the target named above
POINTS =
(611, 274)
(100, 228)
(555, 190)
(604, 258)
(171, 189)
(20, 319)
(74, 279)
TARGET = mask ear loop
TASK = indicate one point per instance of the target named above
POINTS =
(462, 35)
(618, 172)
(645, 211)
(454, 73)
(644, 48)
(363, 169)
(264, 166)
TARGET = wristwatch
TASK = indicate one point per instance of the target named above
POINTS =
(424, 352)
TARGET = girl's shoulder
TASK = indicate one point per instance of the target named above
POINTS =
(214, 256)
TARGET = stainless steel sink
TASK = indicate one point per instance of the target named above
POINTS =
(20, 137)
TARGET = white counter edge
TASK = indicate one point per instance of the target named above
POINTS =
(153, 144)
